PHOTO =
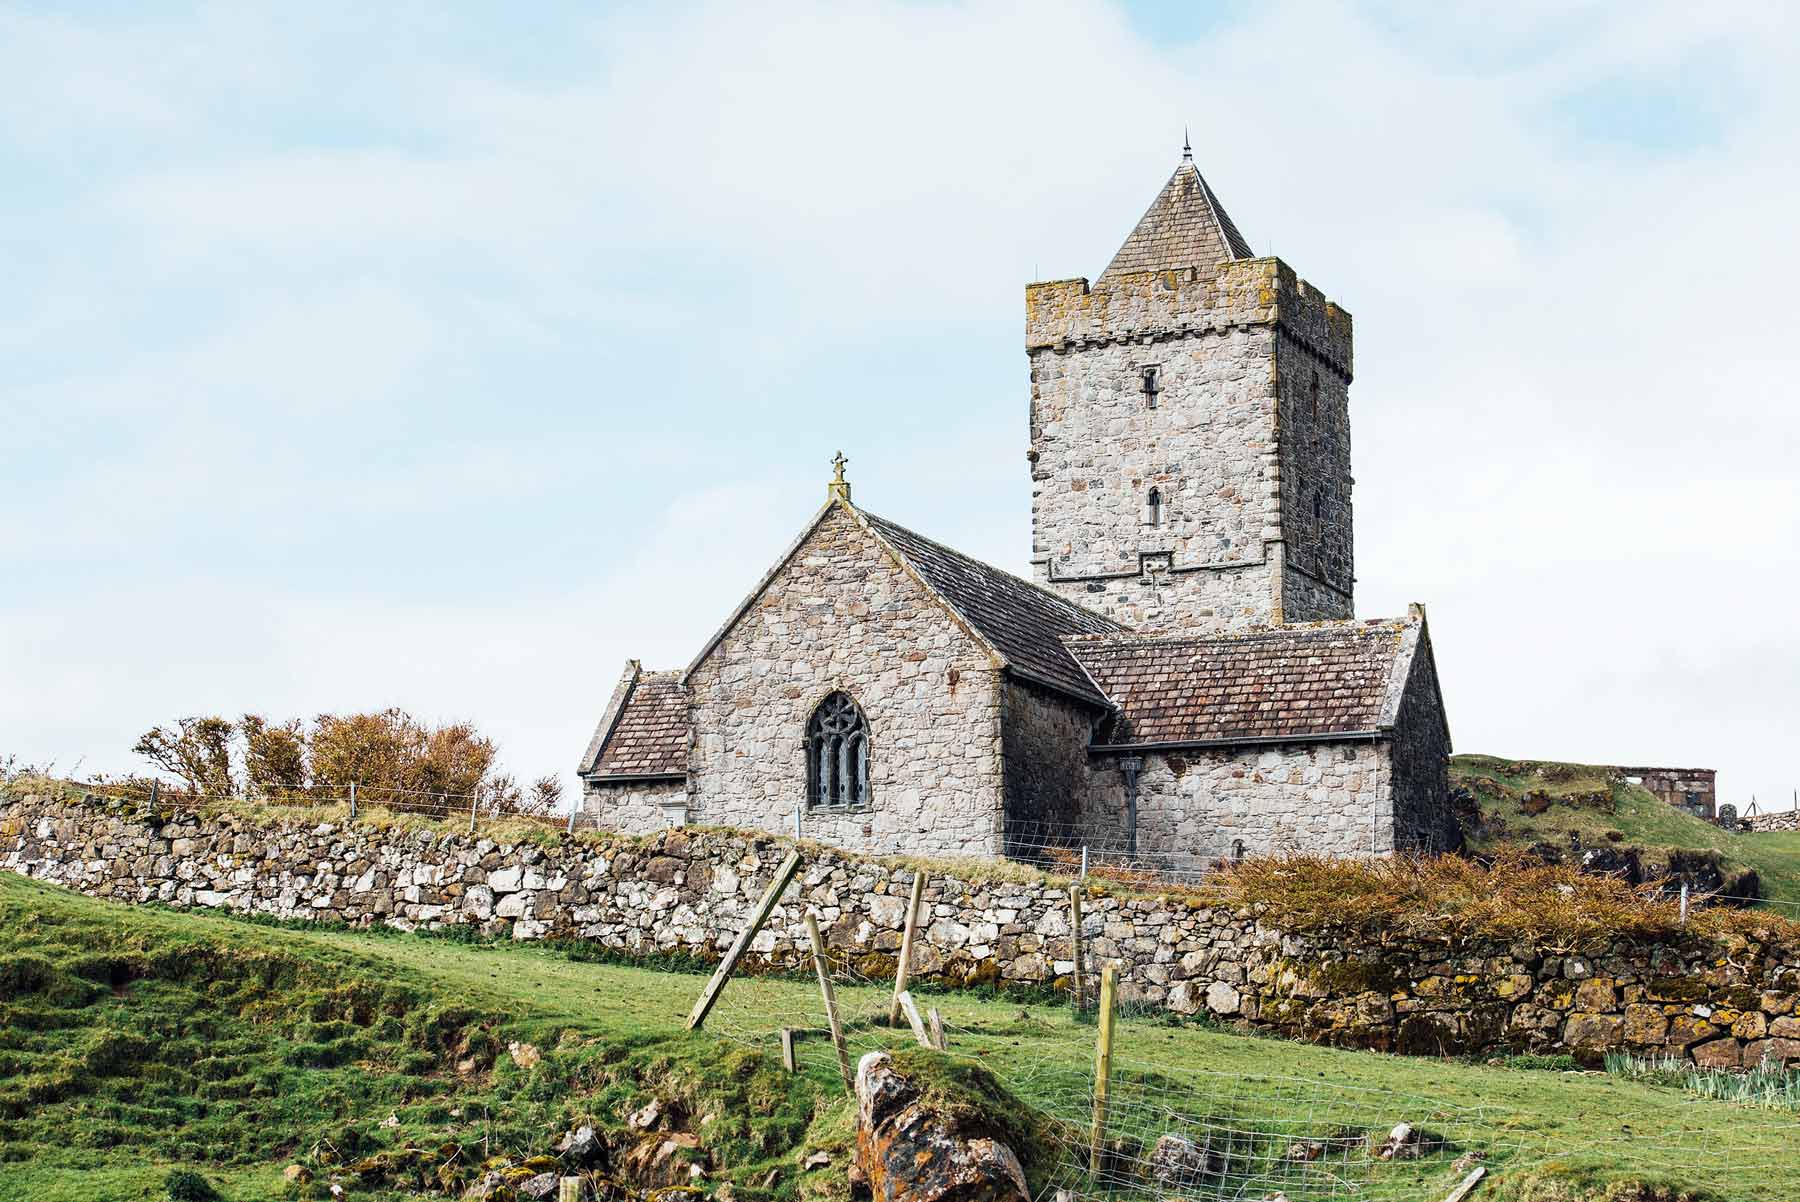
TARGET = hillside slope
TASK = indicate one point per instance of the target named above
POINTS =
(134, 1041)
(1527, 802)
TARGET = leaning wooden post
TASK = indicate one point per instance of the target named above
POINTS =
(935, 1022)
(903, 971)
(473, 798)
(716, 986)
(1075, 945)
(831, 1010)
(1102, 1064)
(1468, 1183)
(910, 1008)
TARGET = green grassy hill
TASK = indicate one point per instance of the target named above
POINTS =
(1522, 802)
(135, 1041)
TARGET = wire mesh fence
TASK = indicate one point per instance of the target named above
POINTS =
(1245, 1126)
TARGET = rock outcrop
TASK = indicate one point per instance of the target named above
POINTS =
(909, 1151)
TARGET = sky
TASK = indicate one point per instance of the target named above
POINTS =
(424, 355)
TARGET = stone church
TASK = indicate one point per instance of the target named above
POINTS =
(1183, 682)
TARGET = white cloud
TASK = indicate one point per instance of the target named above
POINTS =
(745, 236)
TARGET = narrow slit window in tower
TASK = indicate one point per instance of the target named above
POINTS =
(1152, 385)
(1153, 508)
(1315, 394)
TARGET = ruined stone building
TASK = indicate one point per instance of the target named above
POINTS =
(1184, 681)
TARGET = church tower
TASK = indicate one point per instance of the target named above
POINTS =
(1190, 429)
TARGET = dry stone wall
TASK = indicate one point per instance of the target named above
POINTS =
(688, 891)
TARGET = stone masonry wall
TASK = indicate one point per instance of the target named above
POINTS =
(688, 891)
(1208, 444)
(1194, 806)
(841, 614)
(1317, 528)
(1420, 752)
(633, 809)
(1046, 742)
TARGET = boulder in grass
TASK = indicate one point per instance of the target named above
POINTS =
(910, 1148)
(581, 1148)
(1176, 1161)
(539, 1188)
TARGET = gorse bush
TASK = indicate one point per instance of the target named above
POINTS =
(1511, 896)
(184, 1185)
(388, 754)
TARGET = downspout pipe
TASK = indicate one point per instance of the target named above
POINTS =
(1129, 767)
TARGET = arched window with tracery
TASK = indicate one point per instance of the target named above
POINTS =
(837, 755)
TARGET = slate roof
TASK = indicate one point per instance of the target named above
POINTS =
(1318, 679)
(1021, 621)
(648, 734)
(1185, 226)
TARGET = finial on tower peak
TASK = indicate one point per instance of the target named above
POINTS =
(1187, 149)
(839, 488)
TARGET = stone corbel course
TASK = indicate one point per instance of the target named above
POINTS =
(687, 892)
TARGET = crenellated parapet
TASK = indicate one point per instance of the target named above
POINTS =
(1152, 306)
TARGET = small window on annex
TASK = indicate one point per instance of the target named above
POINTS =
(837, 755)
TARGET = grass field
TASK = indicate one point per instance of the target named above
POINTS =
(1583, 799)
(134, 1040)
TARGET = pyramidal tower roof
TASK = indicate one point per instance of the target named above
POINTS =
(1185, 226)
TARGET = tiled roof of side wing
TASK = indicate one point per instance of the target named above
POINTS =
(1023, 622)
(651, 736)
(1319, 679)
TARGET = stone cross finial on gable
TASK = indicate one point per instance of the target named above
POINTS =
(839, 488)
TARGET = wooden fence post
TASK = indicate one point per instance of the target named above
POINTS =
(1075, 945)
(903, 971)
(568, 1190)
(910, 1008)
(935, 1022)
(831, 1010)
(728, 965)
(787, 1049)
(353, 801)
(1102, 1065)
(473, 798)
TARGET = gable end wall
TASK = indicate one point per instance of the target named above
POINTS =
(841, 614)
(1421, 755)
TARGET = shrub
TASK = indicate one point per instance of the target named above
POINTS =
(185, 1185)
